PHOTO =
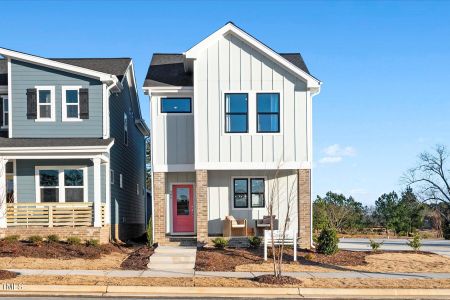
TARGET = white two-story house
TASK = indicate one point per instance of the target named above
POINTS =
(231, 131)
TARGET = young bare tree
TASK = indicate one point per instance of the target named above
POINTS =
(273, 206)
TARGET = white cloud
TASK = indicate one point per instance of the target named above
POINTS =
(358, 191)
(335, 153)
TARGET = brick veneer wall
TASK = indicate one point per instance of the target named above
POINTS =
(201, 188)
(304, 208)
(159, 206)
(83, 232)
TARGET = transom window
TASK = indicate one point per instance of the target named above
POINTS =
(70, 103)
(61, 184)
(248, 188)
(236, 112)
(176, 105)
(5, 112)
(46, 103)
(268, 112)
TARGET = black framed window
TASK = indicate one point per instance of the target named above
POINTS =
(176, 105)
(257, 192)
(236, 113)
(268, 112)
(240, 191)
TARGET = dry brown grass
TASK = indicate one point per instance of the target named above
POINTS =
(231, 282)
(106, 262)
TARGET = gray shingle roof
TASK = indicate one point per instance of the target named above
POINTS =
(168, 69)
(3, 72)
(114, 66)
(53, 142)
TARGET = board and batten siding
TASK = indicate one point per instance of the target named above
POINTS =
(173, 136)
(25, 175)
(282, 185)
(232, 65)
(26, 76)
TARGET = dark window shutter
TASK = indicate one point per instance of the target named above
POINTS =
(84, 103)
(31, 104)
(1, 111)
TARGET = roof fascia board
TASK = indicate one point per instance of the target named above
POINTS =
(104, 77)
(168, 90)
(230, 28)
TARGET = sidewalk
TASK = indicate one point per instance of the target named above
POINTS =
(156, 273)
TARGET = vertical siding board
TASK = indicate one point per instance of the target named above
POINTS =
(202, 108)
(235, 85)
(224, 85)
(213, 102)
(301, 121)
(289, 129)
(278, 140)
(246, 72)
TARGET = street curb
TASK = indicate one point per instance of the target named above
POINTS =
(102, 290)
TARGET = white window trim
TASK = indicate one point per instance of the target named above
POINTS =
(249, 205)
(5, 99)
(64, 89)
(111, 176)
(61, 187)
(52, 103)
(121, 181)
(137, 189)
(125, 129)
(159, 111)
(252, 112)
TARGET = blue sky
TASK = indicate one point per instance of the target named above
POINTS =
(385, 67)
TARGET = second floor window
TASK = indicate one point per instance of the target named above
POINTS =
(46, 103)
(236, 113)
(125, 129)
(5, 112)
(176, 105)
(268, 107)
(70, 103)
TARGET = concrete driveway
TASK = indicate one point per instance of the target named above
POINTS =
(441, 247)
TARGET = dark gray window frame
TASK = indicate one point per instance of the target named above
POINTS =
(268, 113)
(235, 114)
(176, 112)
(258, 193)
(234, 192)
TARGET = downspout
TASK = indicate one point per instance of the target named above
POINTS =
(108, 133)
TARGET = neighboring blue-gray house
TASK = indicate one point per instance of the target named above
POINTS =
(72, 148)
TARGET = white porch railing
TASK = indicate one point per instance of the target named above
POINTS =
(52, 214)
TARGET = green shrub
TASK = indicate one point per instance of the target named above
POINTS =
(35, 239)
(220, 243)
(12, 238)
(327, 243)
(73, 240)
(415, 243)
(309, 256)
(150, 233)
(375, 245)
(255, 241)
(53, 238)
(92, 243)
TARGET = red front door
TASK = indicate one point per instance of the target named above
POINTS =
(183, 208)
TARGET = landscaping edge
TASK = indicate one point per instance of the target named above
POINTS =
(104, 290)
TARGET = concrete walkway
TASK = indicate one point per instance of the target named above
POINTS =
(192, 273)
(441, 247)
(173, 258)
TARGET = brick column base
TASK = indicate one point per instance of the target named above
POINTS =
(159, 207)
(201, 192)
(304, 208)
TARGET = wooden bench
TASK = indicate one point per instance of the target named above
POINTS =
(290, 239)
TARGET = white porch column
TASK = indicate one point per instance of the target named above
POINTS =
(108, 193)
(97, 193)
(3, 162)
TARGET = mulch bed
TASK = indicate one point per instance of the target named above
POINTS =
(282, 280)
(138, 259)
(225, 259)
(59, 250)
(7, 274)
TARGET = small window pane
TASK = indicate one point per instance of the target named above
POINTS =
(49, 195)
(236, 103)
(236, 123)
(182, 201)
(74, 195)
(72, 96)
(73, 177)
(44, 111)
(44, 96)
(9, 189)
(48, 177)
(6, 120)
(257, 200)
(268, 103)
(5, 105)
(72, 111)
(240, 200)
(268, 123)
(240, 186)
(257, 185)
(175, 105)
